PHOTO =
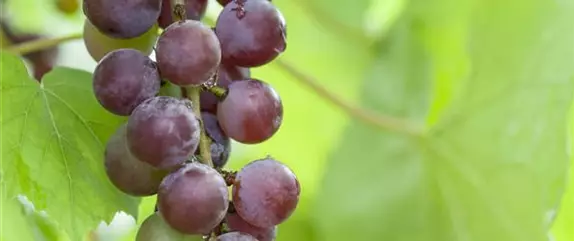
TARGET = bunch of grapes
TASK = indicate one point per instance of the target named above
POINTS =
(158, 151)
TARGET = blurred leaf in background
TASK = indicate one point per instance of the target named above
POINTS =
(493, 163)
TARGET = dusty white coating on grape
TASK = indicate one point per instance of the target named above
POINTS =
(163, 131)
(188, 53)
(193, 199)
(236, 223)
(251, 112)
(123, 19)
(123, 79)
(265, 193)
(235, 236)
(251, 33)
(127, 173)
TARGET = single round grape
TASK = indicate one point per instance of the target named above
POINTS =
(220, 143)
(163, 131)
(194, 10)
(154, 228)
(99, 44)
(236, 223)
(122, 18)
(123, 79)
(225, 75)
(236, 236)
(251, 33)
(251, 112)
(265, 193)
(188, 53)
(194, 199)
(127, 173)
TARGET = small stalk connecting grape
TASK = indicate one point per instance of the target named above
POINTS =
(219, 92)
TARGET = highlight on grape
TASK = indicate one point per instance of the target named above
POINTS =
(177, 145)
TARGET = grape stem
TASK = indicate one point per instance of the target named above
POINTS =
(178, 12)
(193, 94)
(218, 91)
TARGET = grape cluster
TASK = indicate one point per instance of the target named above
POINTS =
(157, 151)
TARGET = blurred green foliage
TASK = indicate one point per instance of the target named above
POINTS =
(490, 80)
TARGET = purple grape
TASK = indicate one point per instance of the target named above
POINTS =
(194, 199)
(236, 223)
(194, 9)
(251, 33)
(122, 18)
(127, 173)
(236, 236)
(220, 143)
(123, 79)
(265, 193)
(188, 53)
(163, 131)
(251, 112)
(225, 75)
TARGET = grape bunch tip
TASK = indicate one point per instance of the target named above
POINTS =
(185, 106)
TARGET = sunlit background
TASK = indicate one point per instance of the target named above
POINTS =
(352, 48)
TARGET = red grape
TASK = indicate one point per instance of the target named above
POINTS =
(122, 18)
(236, 236)
(194, 9)
(265, 193)
(194, 199)
(236, 223)
(252, 33)
(188, 53)
(225, 75)
(163, 131)
(251, 112)
(123, 79)
(127, 173)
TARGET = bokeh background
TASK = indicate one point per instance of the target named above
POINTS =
(353, 49)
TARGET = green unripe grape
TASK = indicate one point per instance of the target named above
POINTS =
(99, 44)
(154, 228)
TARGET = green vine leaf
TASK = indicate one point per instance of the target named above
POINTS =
(494, 164)
(53, 139)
